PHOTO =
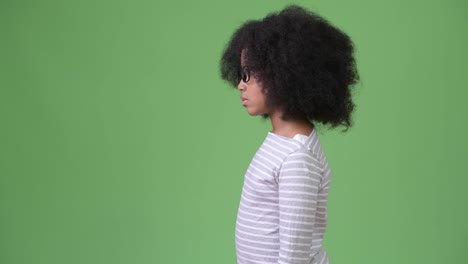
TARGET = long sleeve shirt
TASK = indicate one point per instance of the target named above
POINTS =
(282, 214)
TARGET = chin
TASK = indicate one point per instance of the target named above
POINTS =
(253, 113)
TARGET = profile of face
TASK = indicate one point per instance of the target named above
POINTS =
(252, 95)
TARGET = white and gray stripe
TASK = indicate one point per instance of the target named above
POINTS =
(282, 214)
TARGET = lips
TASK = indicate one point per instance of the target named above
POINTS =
(244, 100)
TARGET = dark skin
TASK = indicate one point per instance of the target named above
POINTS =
(289, 128)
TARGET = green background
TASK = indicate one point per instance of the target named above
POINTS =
(121, 144)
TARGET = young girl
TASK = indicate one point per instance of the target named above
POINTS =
(295, 69)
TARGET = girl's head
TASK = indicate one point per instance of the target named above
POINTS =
(303, 66)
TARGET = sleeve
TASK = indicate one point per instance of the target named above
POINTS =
(299, 180)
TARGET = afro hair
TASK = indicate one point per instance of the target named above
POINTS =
(306, 64)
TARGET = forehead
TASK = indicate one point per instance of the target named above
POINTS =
(243, 56)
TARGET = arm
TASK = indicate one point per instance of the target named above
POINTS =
(298, 185)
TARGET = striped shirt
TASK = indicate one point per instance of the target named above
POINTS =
(282, 214)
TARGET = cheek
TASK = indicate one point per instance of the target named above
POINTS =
(263, 97)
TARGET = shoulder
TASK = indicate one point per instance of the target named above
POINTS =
(302, 161)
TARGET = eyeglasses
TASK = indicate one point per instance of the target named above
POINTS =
(244, 75)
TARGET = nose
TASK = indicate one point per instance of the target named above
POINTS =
(241, 86)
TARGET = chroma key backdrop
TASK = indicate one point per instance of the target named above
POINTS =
(120, 143)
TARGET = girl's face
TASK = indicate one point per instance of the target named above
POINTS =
(252, 96)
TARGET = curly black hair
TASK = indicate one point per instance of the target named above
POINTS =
(306, 64)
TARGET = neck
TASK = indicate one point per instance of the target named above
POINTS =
(289, 128)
